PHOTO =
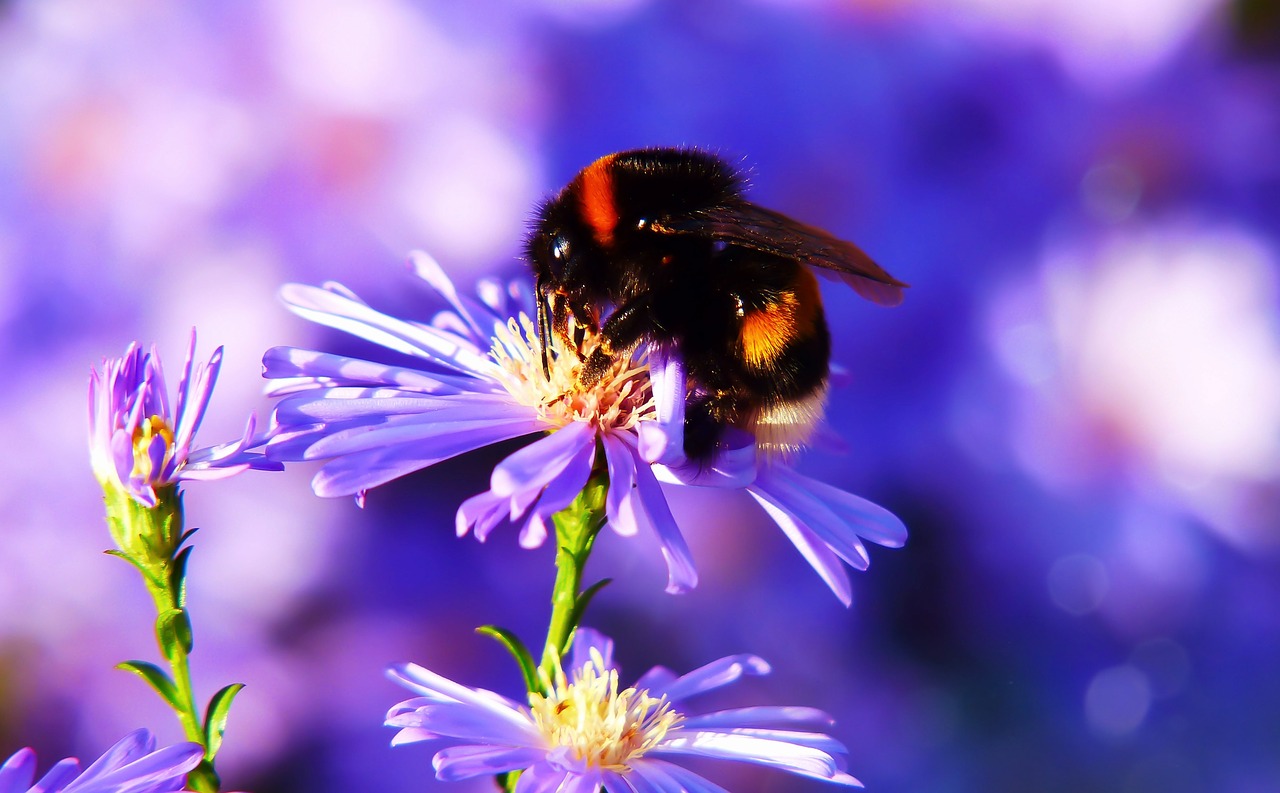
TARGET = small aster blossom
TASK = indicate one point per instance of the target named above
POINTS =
(589, 733)
(133, 765)
(138, 444)
(479, 380)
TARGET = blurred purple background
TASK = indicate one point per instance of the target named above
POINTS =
(1076, 411)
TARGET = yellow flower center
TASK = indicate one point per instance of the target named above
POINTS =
(602, 726)
(620, 399)
(142, 438)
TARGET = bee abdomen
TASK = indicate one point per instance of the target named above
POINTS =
(783, 341)
(784, 427)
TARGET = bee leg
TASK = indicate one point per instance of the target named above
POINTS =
(706, 417)
(621, 332)
(560, 324)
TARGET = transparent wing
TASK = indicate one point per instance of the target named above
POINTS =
(751, 226)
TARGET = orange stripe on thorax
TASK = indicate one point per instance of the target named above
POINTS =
(596, 197)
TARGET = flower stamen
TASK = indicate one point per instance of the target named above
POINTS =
(618, 401)
(602, 726)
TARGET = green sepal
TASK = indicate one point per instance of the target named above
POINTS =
(580, 610)
(156, 678)
(133, 560)
(178, 577)
(518, 651)
(203, 778)
(173, 630)
(215, 720)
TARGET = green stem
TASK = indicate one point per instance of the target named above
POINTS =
(151, 539)
(576, 528)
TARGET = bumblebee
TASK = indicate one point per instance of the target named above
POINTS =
(659, 246)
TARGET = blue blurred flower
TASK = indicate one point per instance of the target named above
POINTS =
(133, 765)
(137, 444)
(589, 733)
(482, 381)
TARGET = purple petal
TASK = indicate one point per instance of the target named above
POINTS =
(620, 501)
(441, 689)
(534, 531)
(129, 748)
(57, 778)
(584, 641)
(463, 762)
(146, 773)
(744, 748)
(537, 464)
(659, 678)
(872, 521)
(776, 485)
(345, 403)
(18, 771)
(681, 575)
(425, 267)
(483, 511)
(542, 778)
(651, 774)
(422, 437)
(351, 473)
(545, 777)
(328, 369)
(466, 722)
(122, 453)
(341, 312)
(614, 782)
(155, 452)
(711, 676)
(816, 552)
(565, 487)
(812, 740)
(662, 441)
(734, 464)
(193, 403)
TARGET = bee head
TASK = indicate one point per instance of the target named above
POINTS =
(562, 252)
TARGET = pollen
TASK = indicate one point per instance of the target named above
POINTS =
(602, 726)
(143, 437)
(619, 400)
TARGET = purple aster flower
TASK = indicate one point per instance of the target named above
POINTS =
(137, 444)
(589, 733)
(133, 765)
(480, 380)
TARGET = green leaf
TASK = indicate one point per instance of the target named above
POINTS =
(518, 651)
(128, 558)
(173, 630)
(178, 576)
(215, 720)
(156, 678)
(580, 610)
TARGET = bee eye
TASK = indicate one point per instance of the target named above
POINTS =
(560, 249)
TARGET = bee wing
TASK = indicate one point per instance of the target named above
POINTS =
(751, 226)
